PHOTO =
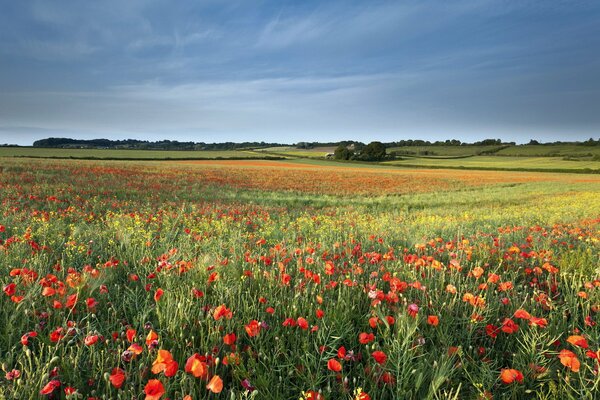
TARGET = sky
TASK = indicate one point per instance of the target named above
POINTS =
(289, 71)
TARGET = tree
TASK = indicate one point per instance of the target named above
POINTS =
(374, 151)
(342, 153)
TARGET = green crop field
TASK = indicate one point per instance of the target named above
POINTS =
(551, 150)
(124, 154)
(296, 279)
(444, 151)
(500, 162)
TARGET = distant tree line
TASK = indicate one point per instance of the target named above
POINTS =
(145, 144)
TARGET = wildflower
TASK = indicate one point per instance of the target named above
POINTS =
(334, 365)
(154, 389)
(117, 377)
(508, 376)
(433, 320)
(253, 328)
(379, 356)
(215, 385)
(50, 387)
(196, 366)
(158, 294)
(509, 326)
(413, 309)
(569, 359)
(365, 338)
(164, 362)
(578, 341)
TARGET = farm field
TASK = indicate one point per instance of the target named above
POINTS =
(501, 162)
(317, 152)
(125, 154)
(550, 150)
(444, 151)
(263, 279)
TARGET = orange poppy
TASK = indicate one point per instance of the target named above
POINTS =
(508, 376)
(253, 328)
(196, 366)
(569, 359)
(215, 385)
(164, 362)
(578, 341)
(433, 320)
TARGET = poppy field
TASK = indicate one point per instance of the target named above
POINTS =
(281, 280)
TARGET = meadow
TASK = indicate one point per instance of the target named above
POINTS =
(258, 279)
(35, 152)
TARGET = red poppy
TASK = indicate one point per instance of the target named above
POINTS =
(379, 356)
(151, 337)
(117, 377)
(90, 340)
(433, 320)
(334, 365)
(131, 335)
(522, 314)
(154, 389)
(509, 326)
(229, 339)
(302, 323)
(158, 294)
(50, 387)
(253, 328)
(365, 338)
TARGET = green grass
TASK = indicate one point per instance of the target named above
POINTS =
(444, 151)
(124, 154)
(545, 150)
(499, 162)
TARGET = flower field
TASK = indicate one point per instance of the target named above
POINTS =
(280, 280)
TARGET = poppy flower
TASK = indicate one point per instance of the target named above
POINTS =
(229, 339)
(379, 357)
(154, 389)
(13, 374)
(25, 337)
(541, 322)
(117, 377)
(196, 366)
(341, 352)
(508, 376)
(158, 294)
(509, 326)
(319, 313)
(302, 323)
(130, 335)
(253, 328)
(215, 385)
(365, 338)
(522, 314)
(164, 362)
(413, 310)
(433, 320)
(50, 387)
(90, 340)
(569, 359)
(222, 311)
(151, 337)
(10, 289)
(135, 349)
(578, 341)
(334, 365)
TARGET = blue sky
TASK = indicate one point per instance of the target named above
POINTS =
(289, 71)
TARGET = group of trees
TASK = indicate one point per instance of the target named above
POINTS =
(374, 151)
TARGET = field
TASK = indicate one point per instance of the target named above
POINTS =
(445, 151)
(123, 154)
(502, 162)
(259, 279)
